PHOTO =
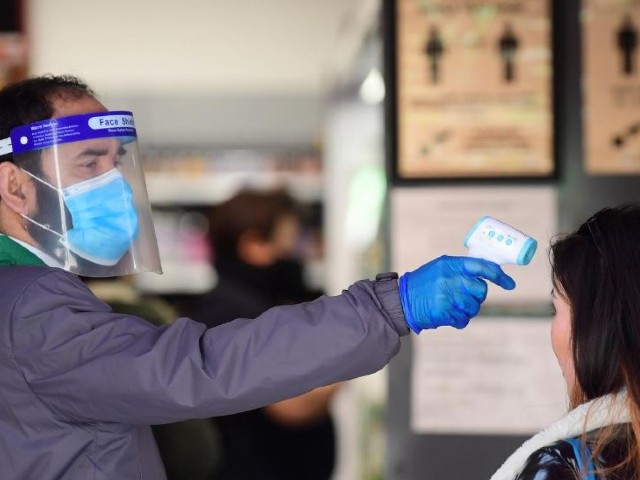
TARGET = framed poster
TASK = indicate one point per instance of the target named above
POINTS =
(13, 42)
(470, 89)
(611, 79)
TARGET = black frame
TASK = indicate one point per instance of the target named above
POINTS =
(389, 28)
(11, 20)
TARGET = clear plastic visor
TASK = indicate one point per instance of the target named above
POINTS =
(90, 210)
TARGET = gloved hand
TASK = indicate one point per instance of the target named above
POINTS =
(448, 291)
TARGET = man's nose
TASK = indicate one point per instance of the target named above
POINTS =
(108, 163)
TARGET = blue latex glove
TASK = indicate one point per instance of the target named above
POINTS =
(448, 291)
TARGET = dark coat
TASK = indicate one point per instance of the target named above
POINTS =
(277, 452)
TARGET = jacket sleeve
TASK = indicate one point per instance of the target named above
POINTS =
(550, 463)
(88, 364)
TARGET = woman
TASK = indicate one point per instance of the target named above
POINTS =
(596, 339)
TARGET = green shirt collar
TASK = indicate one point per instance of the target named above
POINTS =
(12, 253)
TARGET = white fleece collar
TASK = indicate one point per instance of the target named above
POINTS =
(602, 411)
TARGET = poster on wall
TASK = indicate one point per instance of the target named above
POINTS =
(13, 43)
(472, 88)
(487, 381)
(611, 79)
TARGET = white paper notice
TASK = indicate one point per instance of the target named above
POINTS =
(498, 376)
(433, 221)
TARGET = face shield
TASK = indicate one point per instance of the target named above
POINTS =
(91, 210)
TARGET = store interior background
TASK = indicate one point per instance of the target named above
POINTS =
(244, 93)
(289, 93)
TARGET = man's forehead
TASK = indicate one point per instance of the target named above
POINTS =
(64, 106)
(105, 142)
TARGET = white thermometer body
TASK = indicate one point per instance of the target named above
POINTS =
(500, 243)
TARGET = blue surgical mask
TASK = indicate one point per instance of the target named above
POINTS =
(105, 221)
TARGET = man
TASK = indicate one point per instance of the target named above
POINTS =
(253, 237)
(80, 384)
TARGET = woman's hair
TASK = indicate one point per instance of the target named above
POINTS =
(597, 270)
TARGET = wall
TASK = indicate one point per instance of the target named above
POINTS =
(161, 46)
(203, 71)
(469, 457)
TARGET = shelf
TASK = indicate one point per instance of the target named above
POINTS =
(178, 277)
(173, 188)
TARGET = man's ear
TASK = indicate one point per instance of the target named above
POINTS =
(13, 186)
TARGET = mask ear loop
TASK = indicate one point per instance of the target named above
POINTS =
(41, 181)
(41, 225)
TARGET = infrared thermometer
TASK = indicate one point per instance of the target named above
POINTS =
(500, 243)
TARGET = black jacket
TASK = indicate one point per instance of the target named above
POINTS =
(255, 447)
(561, 461)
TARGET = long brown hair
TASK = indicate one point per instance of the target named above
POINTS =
(597, 269)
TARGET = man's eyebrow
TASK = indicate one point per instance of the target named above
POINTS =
(93, 152)
(98, 152)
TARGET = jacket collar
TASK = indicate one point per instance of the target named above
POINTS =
(602, 411)
(12, 253)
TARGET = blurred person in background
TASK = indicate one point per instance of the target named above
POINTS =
(253, 237)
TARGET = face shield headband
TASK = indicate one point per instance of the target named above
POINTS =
(96, 218)
(54, 131)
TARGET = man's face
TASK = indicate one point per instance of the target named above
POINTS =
(66, 165)
(70, 163)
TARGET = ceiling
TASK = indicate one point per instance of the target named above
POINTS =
(158, 46)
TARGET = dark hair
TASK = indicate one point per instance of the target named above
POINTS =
(32, 100)
(597, 270)
(253, 210)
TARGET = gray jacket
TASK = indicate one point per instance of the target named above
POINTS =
(79, 384)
